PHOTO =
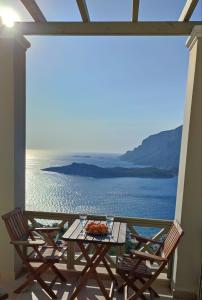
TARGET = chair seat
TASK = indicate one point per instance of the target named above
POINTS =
(127, 265)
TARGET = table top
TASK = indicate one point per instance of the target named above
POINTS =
(117, 237)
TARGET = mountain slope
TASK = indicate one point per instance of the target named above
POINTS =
(161, 150)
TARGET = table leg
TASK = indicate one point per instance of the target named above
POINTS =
(92, 265)
(86, 256)
(112, 276)
(89, 262)
(88, 247)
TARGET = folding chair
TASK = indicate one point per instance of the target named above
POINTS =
(135, 271)
(22, 237)
(3, 295)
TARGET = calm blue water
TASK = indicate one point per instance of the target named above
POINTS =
(132, 197)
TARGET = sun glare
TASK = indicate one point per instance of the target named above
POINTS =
(8, 16)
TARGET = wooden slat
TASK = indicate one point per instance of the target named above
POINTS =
(122, 233)
(85, 236)
(115, 233)
(172, 239)
(34, 10)
(156, 237)
(71, 230)
(16, 224)
(76, 234)
(83, 10)
(107, 28)
(136, 4)
(188, 10)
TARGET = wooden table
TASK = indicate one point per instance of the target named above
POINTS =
(102, 244)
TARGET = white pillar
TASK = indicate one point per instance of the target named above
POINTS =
(188, 259)
(12, 138)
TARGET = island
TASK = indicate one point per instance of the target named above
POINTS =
(86, 170)
(81, 156)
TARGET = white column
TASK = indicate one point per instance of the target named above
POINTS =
(12, 138)
(188, 259)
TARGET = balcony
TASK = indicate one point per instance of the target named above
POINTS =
(188, 261)
(73, 263)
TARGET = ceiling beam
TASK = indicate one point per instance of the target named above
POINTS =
(188, 10)
(107, 28)
(83, 10)
(136, 4)
(34, 10)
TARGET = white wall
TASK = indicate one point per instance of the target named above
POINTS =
(187, 264)
(12, 139)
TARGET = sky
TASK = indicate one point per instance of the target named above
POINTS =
(103, 94)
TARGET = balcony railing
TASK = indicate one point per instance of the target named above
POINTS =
(64, 220)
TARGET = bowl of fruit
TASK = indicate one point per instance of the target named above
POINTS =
(94, 228)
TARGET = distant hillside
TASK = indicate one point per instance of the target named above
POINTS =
(161, 150)
(86, 170)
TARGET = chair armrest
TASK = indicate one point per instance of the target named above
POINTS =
(45, 229)
(28, 243)
(143, 239)
(148, 256)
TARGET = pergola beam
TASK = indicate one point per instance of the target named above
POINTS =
(107, 28)
(34, 10)
(188, 10)
(83, 10)
(136, 4)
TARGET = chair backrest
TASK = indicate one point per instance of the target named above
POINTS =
(16, 224)
(172, 239)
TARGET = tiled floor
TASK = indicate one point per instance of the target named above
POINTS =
(90, 292)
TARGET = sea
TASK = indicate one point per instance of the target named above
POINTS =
(130, 197)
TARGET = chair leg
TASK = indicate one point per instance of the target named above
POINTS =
(153, 293)
(125, 292)
(141, 290)
(121, 288)
(58, 273)
(35, 275)
(31, 276)
(40, 281)
(151, 296)
(27, 282)
(151, 290)
(46, 288)
(131, 283)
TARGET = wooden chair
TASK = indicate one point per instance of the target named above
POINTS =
(3, 295)
(135, 271)
(23, 237)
